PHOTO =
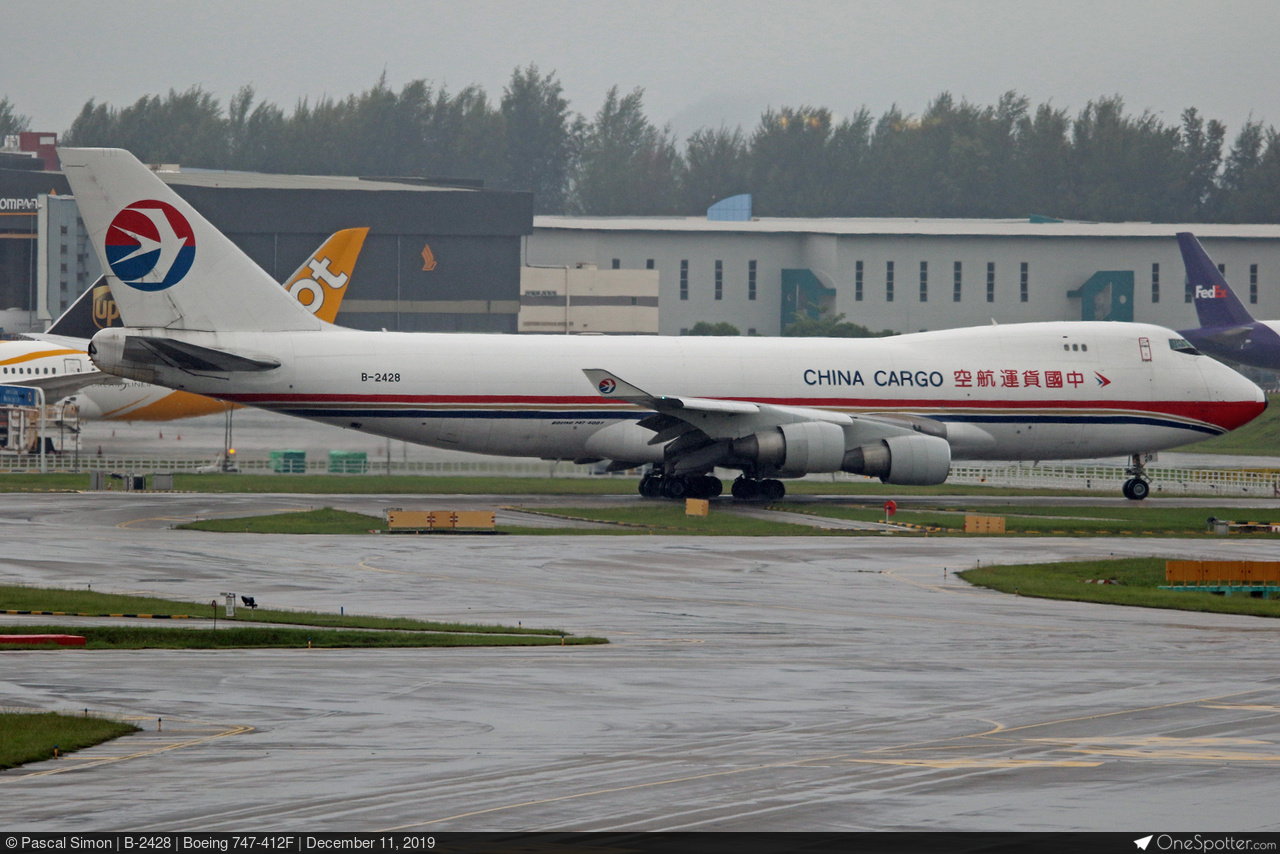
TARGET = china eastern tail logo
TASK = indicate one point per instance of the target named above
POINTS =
(607, 386)
(150, 246)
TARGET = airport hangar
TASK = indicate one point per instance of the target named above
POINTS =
(909, 275)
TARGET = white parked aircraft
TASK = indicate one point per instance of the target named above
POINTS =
(211, 322)
(57, 361)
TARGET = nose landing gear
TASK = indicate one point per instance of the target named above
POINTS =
(1137, 487)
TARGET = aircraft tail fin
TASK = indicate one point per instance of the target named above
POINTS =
(1216, 304)
(167, 266)
(320, 283)
(93, 310)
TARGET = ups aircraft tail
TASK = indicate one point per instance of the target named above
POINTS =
(1216, 304)
(167, 266)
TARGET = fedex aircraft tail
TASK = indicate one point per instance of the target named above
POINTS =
(167, 266)
(1216, 303)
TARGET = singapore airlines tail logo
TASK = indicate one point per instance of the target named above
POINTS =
(150, 246)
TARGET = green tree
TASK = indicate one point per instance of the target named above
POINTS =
(628, 166)
(789, 162)
(830, 326)
(714, 168)
(541, 138)
(12, 121)
(723, 328)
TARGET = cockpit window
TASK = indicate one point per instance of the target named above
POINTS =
(1182, 345)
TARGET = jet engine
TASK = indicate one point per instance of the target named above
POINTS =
(793, 450)
(915, 460)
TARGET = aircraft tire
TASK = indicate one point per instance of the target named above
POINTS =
(745, 489)
(773, 490)
(1137, 489)
(675, 487)
(714, 487)
(650, 486)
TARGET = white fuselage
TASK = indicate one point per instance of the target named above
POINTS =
(1016, 392)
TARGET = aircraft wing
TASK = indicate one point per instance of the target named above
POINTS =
(716, 419)
(703, 432)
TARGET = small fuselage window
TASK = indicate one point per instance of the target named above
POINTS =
(1182, 345)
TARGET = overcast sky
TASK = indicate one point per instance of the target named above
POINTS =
(700, 63)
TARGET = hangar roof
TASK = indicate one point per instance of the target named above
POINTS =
(905, 227)
(259, 180)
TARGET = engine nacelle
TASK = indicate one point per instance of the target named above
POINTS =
(108, 353)
(793, 450)
(915, 460)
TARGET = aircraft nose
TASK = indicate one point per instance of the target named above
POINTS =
(1240, 399)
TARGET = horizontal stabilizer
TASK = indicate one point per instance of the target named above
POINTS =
(191, 358)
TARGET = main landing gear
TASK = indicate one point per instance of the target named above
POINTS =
(680, 486)
(1137, 487)
(750, 489)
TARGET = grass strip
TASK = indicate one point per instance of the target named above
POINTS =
(1137, 584)
(238, 636)
(1151, 518)
(32, 737)
(325, 520)
(89, 603)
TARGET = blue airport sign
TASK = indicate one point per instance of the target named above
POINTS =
(17, 395)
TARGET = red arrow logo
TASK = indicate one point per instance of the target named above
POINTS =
(1102, 381)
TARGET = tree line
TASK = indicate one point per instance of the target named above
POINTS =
(955, 159)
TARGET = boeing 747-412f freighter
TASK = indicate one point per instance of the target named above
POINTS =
(1227, 330)
(202, 317)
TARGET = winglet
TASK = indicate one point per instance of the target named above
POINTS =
(614, 387)
(1216, 303)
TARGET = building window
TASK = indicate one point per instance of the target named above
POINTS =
(1253, 283)
(857, 281)
(1155, 283)
(991, 281)
(751, 330)
(924, 281)
(888, 281)
(1222, 268)
(751, 280)
(617, 263)
(648, 265)
(684, 281)
(1022, 283)
(955, 285)
(719, 280)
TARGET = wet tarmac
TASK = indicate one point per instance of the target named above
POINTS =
(750, 684)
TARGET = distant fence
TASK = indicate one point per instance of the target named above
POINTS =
(1264, 483)
(498, 467)
(1102, 478)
